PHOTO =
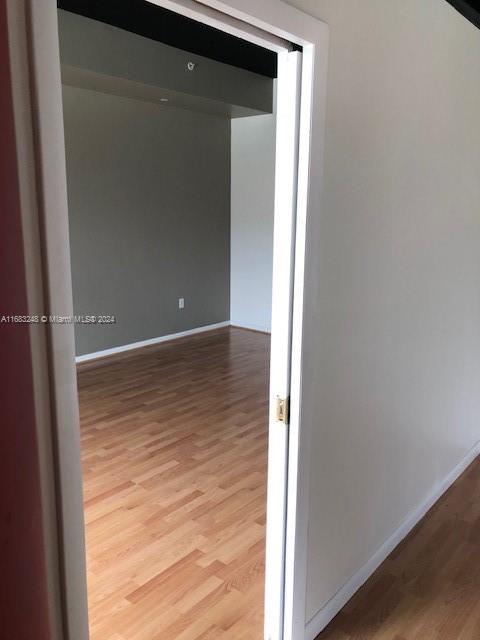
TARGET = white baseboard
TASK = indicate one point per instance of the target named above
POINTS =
(251, 327)
(145, 343)
(340, 599)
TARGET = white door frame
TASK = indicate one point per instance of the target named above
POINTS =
(33, 39)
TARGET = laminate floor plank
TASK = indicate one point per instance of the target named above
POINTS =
(174, 454)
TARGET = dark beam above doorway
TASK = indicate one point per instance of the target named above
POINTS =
(156, 23)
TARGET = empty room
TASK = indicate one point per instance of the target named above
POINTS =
(170, 175)
(240, 319)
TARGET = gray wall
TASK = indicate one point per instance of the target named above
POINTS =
(149, 208)
(252, 209)
(393, 350)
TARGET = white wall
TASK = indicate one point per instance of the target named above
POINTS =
(252, 202)
(394, 358)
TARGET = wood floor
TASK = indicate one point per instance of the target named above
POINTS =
(174, 444)
(429, 588)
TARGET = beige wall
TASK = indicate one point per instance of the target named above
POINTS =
(396, 356)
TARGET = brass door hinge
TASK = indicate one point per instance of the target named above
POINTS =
(283, 409)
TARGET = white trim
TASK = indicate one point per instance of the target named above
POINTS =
(340, 599)
(53, 245)
(250, 326)
(287, 120)
(96, 355)
(299, 439)
(227, 23)
(27, 182)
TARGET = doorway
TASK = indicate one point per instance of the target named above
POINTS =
(171, 215)
(49, 157)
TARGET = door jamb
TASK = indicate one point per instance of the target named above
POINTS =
(41, 30)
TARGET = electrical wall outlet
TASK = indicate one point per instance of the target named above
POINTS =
(181, 303)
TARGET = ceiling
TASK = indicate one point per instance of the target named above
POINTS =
(92, 55)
